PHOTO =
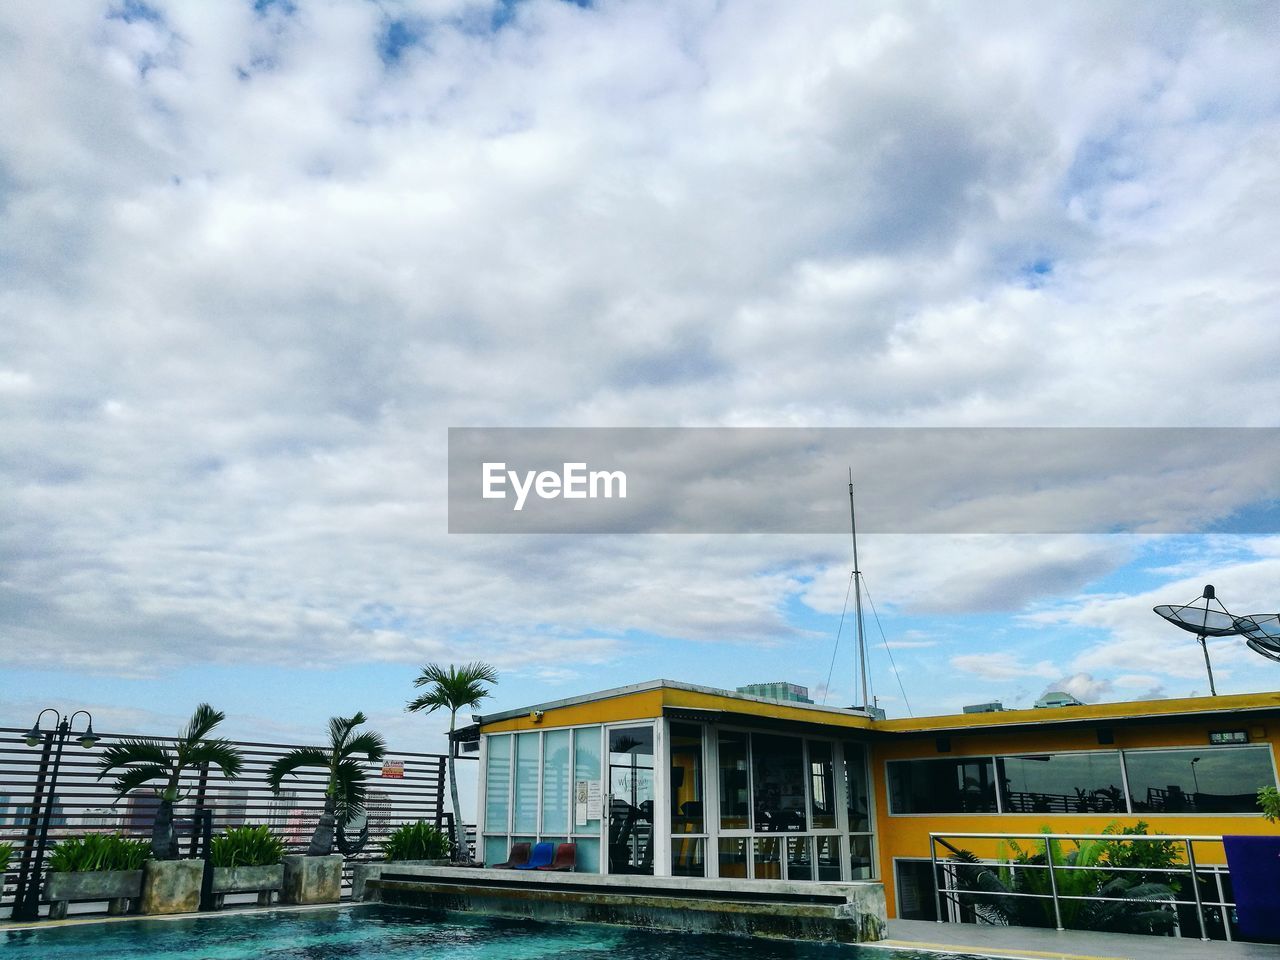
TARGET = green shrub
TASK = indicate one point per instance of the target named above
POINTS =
(6, 854)
(246, 847)
(416, 841)
(1130, 902)
(1269, 801)
(98, 851)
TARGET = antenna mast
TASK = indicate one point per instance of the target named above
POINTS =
(857, 599)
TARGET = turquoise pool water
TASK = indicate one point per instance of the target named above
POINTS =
(385, 933)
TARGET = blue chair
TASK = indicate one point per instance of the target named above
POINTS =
(541, 857)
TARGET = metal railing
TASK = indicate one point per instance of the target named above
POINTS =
(1188, 869)
(406, 787)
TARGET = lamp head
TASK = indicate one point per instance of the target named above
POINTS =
(34, 735)
(89, 738)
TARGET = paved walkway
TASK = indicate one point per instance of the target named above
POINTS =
(1032, 943)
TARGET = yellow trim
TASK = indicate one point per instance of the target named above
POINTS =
(779, 710)
(1134, 709)
(644, 705)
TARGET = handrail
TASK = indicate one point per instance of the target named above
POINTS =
(1191, 868)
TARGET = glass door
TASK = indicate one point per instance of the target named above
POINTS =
(630, 799)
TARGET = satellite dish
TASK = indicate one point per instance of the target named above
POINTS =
(1201, 621)
(1271, 653)
(1204, 621)
(1262, 627)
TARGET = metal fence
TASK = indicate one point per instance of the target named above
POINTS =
(403, 788)
(1210, 905)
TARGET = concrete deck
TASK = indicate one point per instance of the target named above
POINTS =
(1031, 943)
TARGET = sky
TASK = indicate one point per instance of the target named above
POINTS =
(256, 259)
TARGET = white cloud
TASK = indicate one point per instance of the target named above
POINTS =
(1002, 666)
(249, 274)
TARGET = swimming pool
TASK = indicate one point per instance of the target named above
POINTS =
(386, 933)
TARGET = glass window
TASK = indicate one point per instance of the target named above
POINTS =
(950, 785)
(588, 855)
(687, 857)
(735, 788)
(497, 783)
(856, 787)
(822, 786)
(555, 781)
(586, 767)
(526, 792)
(861, 866)
(777, 768)
(631, 812)
(828, 861)
(800, 858)
(495, 850)
(686, 779)
(768, 857)
(733, 857)
(916, 890)
(1204, 780)
(1061, 783)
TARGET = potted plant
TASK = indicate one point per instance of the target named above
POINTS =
(247, 859)
(419, 844)
(96, 866)
(172, 885)
(316, 877)
(453, 689)
(1254, 863)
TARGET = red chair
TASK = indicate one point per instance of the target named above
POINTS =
(518, 857)
(566, 858)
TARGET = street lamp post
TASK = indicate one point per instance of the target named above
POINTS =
(26, 901)
(1195, 780)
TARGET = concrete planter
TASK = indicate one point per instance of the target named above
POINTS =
(264, 881)
(312, 879)
(118, 887)
(362, 873)
(172, 886)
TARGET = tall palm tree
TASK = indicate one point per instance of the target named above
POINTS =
(344, 792)
(144, 761)
(453, 689)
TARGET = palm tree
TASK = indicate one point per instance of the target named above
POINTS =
(144, 761)
(453, 689)
(344, 792)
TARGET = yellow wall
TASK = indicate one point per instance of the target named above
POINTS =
(908, 836)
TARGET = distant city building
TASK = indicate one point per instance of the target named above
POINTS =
(230, 806)
(788, 692)
(141, 815)
(994, 706)
(279, 807)
(57, 811)
(99, 820)
(378, 810)
(1058, 698)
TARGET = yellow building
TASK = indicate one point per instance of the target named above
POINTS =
(672, 779)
